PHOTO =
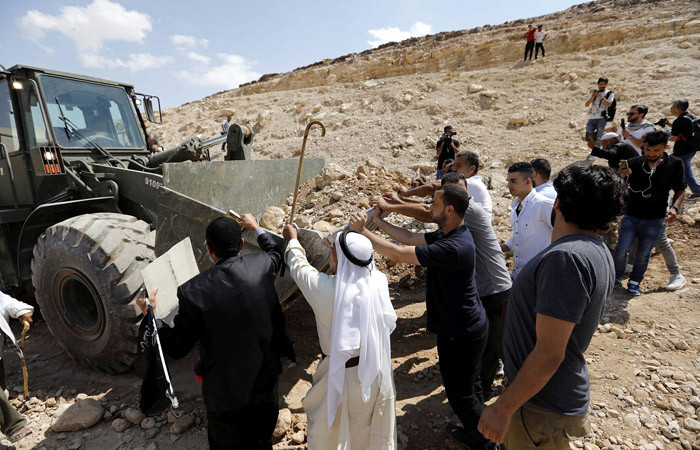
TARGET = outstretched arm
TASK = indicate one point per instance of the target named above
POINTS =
(392, 251)
(419, 211)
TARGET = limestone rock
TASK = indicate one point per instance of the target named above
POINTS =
(632, 420)
(517, 120)
(272, 218)
(264, 118)
(148, 423)
(672, 431)
(79, 415)
(298, 437)
(688, 220)
(133, 415)
(284, 422)
(691, 424)
(182, 424)
(120, 425)
(323, 226)
(473, 88)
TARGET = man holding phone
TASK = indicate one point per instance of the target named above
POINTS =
(649, 179)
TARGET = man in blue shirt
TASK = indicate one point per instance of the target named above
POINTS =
(455, 312)
(554, 309)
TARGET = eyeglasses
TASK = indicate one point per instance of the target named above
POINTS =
(632, 113)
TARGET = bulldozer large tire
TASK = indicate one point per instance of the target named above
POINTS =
(86, 273)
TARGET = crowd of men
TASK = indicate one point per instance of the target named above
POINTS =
(538, 318)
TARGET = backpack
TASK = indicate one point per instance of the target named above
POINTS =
(609, 112)
(694, 139)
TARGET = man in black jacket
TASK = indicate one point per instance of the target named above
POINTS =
(613, 150)
(233, 311)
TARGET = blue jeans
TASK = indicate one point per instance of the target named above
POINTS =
(597, 127)
(647, 233)
(439, 174)
(689, 177)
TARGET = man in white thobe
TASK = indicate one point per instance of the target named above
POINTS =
(351, 404)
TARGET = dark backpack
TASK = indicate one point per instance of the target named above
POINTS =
(609, 112)
(694, 138)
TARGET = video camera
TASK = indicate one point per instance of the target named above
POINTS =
(661, 122)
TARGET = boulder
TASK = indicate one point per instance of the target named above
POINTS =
(517, 120)
(120, 425)
(284, 422)
(323, 226)
(182, 424)
(134, 416)
(77, 416)
(272, 218)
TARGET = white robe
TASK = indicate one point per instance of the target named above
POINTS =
(357, 425)
(10, 307)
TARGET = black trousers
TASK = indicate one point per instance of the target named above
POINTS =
(529, 47)
(495, 306)
(538, 46)
(246, 428)
(460, 366)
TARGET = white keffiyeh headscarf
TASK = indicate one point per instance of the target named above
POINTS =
(363, 319)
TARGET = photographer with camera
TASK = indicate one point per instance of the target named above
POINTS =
(446, 148)
(599, 101)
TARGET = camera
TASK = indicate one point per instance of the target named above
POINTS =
(449, 134)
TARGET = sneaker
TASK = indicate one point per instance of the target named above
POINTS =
(459, 435)
(629, 268)
(676, 282)
(633, 288)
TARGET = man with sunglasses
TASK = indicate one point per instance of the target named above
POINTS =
(636, 127)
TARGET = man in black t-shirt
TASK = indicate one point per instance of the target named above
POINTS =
(455, 312)
(649, 179)
(555, 306)
(446, 148)
(683, 148)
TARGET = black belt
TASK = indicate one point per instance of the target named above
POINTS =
(352, 362)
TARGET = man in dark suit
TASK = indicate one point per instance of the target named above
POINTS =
(233, 311)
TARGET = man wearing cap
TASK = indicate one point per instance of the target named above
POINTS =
(352, 401)
(613, 150)
(455, 313)
(232, 310)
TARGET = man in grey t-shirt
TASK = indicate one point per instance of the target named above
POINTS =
(554, 309)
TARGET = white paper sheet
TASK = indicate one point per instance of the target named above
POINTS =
(167, 273)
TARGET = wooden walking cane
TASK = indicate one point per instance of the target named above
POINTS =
(25, 329)
(301, 164)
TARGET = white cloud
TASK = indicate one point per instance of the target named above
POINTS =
(233, 71)
(394, 34)
(91, 27)
(194, 56)
(143, 61)
(181, 41)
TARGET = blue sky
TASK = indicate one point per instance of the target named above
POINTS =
(185, 50)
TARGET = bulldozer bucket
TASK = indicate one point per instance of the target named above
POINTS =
(195, 194)
(244, 186)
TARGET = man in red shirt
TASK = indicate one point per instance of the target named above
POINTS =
(530, 38)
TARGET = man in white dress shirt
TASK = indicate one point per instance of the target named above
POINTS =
(351, 404)
(530, 217)
(542, 183)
